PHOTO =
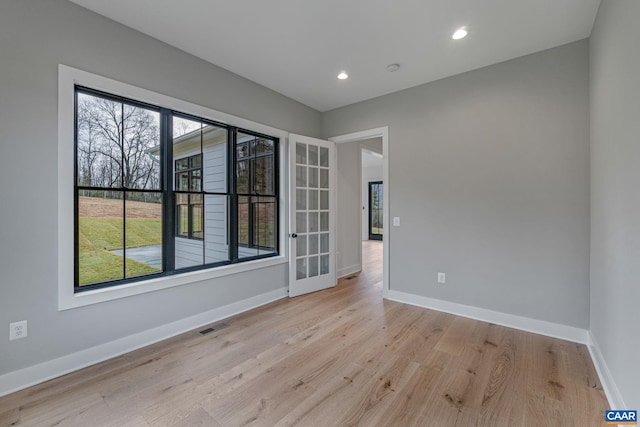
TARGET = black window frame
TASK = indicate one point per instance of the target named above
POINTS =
(169, 192)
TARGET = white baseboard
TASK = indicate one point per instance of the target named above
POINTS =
(349, 270)
(541, 327)
(608, 384)
(23, 378)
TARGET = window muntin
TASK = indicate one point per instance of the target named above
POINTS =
(193, 192)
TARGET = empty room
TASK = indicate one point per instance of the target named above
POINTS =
(319, 213)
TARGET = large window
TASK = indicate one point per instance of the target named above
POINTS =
(159, 192)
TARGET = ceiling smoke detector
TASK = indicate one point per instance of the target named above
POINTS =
(392, 68)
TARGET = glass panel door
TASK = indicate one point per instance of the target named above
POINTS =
(312, 217)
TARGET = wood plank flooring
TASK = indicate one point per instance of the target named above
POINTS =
(337, 357)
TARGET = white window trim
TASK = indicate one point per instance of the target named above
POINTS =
(67, 299)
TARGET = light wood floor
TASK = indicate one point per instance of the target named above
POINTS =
(337, 357)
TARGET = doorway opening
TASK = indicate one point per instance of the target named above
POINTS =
(358, 249)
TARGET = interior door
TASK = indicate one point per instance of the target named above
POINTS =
(312, 173)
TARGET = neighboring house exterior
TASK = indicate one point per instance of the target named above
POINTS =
(199, 164)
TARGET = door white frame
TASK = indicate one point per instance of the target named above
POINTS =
(382, 132)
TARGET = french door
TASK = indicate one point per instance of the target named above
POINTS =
(312, 260)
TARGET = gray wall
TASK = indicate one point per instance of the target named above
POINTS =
(615, 192)
(35, 36)
(489, 172)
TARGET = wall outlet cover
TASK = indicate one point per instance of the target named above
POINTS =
(17, 330)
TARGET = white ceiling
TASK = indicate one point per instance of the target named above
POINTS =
(297, 47)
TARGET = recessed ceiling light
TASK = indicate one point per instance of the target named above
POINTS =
(343, 75)
(459, 34)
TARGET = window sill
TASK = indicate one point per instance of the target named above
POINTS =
(69, 299)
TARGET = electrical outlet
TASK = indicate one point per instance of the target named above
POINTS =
(442, 278)
(17, 330)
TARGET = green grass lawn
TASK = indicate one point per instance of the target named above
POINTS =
(98, 236)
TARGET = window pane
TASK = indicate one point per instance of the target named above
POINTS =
(324, 221)
(301, 153)
(197, 217)
(265, 224)
(182, 219)
(101, 236)
(185, 131)
(189, 251)
(301, 200)
(324, 264)
(141, 143)
(301, 268)
(324, 243)
(214, 159)
(313, 155)
(313, 177)
(182, 164)
(313, 200)
(313, 222)
(324, 200)
(301, 176)
(324, 178)
(301, 245)
(187, 154)
(196, 180)
(313, 244)
(195, 162)
(301, 222)
(182, 181)
(242, 177)
(313, 266)
(216, 248)
(99, 150)
(324, 157)
(264, 175)
(143, 225)
(243, 220)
